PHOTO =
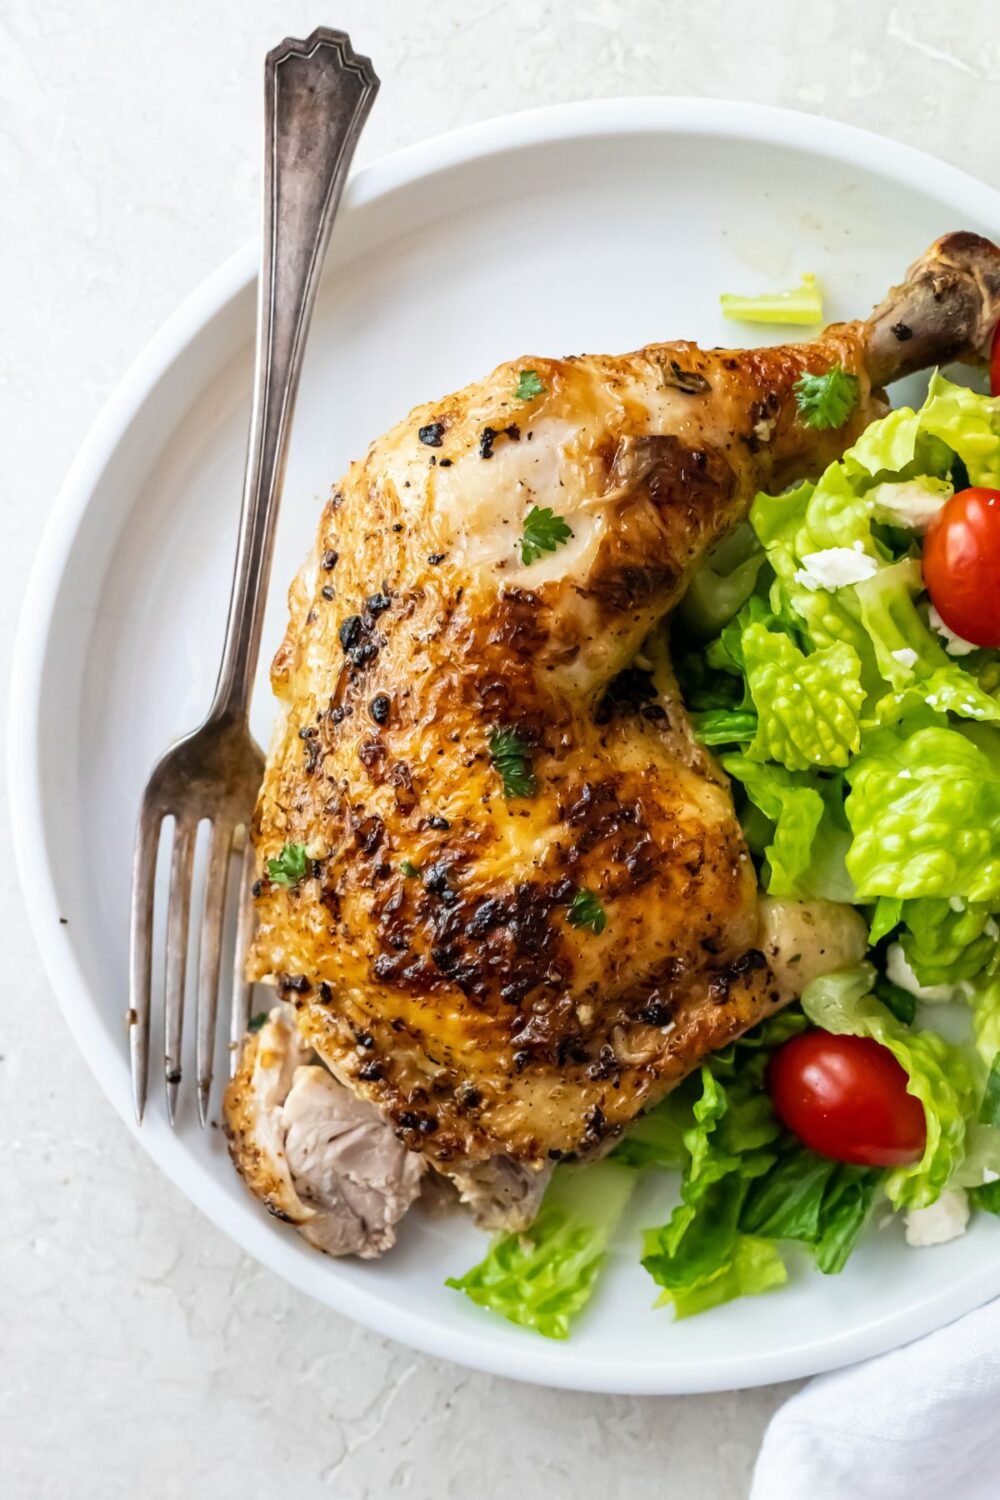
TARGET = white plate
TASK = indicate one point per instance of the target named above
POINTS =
(595, 226)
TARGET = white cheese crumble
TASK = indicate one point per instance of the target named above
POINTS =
(906, 656)
(835, 568)
(943, 1221)
(913, 503)
(953, 644)
(898, 970)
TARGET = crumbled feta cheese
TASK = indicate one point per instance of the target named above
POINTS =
(953, 644)
(834, 568)
(906, 656)
(898, 970)
(913, 503)
(943, 1221)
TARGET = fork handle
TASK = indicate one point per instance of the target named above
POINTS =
(317, 95)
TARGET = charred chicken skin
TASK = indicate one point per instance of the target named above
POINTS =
(526, 909)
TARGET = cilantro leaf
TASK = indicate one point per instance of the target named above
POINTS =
(257, 1021)
(510, 754)
(529, 385)
(544, 531)
(408, 870)
(289, 867)
(826, 400)
(586, 911)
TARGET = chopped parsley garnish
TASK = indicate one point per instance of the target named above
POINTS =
(511, 756)
(826, 400)
(257, 1021)
(289, 867)
(409, 870)
(529, 385)
(544, 531)
(586, 911)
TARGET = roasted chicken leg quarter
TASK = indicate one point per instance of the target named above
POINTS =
(504, 889)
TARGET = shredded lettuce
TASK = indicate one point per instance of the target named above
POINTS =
(540, 1278)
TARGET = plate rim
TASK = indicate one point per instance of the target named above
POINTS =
(533, 1361)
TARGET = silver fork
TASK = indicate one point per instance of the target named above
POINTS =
(317, 95)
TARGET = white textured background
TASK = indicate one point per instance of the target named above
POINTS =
(141, 1355)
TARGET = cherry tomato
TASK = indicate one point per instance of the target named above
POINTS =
(995, 362)
(845, 1097)
(962, 565)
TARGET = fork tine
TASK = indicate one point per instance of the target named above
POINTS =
(209, 960)
(147, 842)
(240, 1013)
(178, 918)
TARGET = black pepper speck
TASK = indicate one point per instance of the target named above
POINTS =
(350, 632)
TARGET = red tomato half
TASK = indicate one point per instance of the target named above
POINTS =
(845, 1097)
(962, 565)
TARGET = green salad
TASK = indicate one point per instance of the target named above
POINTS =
(862, 737)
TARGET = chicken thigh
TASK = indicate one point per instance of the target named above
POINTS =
(515, 906)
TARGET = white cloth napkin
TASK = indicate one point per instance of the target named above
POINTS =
(921, 1423)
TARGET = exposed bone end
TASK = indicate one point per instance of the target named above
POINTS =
(501, 1194)
(945, 310)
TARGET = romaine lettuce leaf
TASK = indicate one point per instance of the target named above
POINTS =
(984, 997)
(656, 1139)
(752, 1267)
(833, 619)
(910, 656)
(837, 514)
(541, 1277)
(808, 845)
(968, 423)
(924, 808)
(806, 1197)
(948, 1080)
(807, 706)
(747, 1184)
(944, 946)
(722, 584)
(886, 446)
(886, 918)
(724, 726)
(796, 812)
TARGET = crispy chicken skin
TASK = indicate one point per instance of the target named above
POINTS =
(461, 999)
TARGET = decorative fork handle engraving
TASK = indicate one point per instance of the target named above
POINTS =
(318, 94)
